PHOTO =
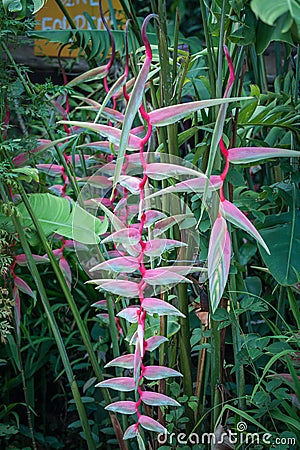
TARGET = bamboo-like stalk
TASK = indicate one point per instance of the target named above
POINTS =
(215, 371)
(212, 69)
(220, 51)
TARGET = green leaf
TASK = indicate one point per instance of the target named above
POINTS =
(57, 215)
(27, 173)
(282, 236)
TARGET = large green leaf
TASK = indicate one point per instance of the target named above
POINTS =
(58, 215)
(282, 235)
(269, 11)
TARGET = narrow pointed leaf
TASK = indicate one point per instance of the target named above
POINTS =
(124, 384)
(171, 114)
(154, 342)
(113, 90)
(159, 372)
(126, 236)
(152, 425)
(122, 407)
(45, 144)
(66, 270)
(160, 307)
(124, 288)
(122, 264)
(235, 216)
(156, 247)
(23, 286)
(124, 361)
(103, 146)
(116, 222)
(98, 181)
(114, 115)
(157, 399)
(152, 216)
(139, 131)
(51, 169)
(21, 260)
(162, 276)
(244, 155)
(113, 134)
(183, 221)
(130, 183)
(218, 261)
(194, 185)
(130, 314)
(131, 432)
(93, 74)
(101, 304)
(163, 171)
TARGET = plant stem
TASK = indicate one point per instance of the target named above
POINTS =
(220, 51)
(210, 50)
(215, 371)
(297, 75)
(56, 333)
(294, 306)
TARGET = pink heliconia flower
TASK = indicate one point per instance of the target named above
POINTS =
(219, 253)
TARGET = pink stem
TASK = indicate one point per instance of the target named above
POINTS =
(113, 46)
(223, 175)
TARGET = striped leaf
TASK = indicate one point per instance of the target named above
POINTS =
(218, 261)
(123, 384)
(157, 399)
(244, 155)
(122, 407)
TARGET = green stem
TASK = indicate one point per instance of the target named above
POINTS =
(237, 346)
(56, 333)
(220, 50)
(185, 351)
(294, 306)
(175, 46)
(236, 335)
(130, 14)
(297, 75)
(26, 397)
(210, 50)
(215, 372)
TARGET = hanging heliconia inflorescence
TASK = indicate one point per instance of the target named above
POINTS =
(132, 244)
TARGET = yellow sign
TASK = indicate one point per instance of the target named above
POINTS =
(50, 17)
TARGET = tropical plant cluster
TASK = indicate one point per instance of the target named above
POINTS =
(150, 231)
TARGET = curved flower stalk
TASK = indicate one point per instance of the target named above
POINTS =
(134, 253)
(102, 71)
(219, 253)
(219, 246)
